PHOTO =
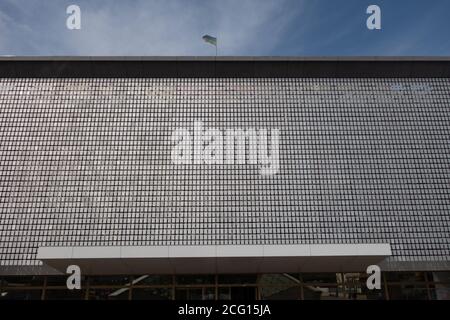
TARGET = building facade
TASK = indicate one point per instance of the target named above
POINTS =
(207, 178)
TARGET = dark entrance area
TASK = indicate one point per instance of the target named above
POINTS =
(243, 293)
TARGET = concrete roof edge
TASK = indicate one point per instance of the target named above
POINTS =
(225, 58)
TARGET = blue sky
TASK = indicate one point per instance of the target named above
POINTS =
(243, 27)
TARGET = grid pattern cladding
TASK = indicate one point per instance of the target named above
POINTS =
(88, 162)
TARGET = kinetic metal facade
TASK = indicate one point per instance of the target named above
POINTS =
(87, 162)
